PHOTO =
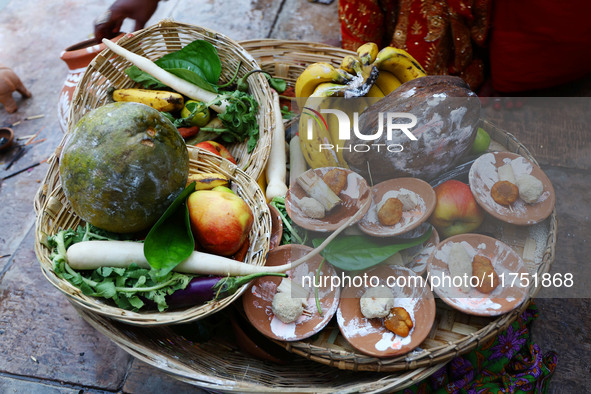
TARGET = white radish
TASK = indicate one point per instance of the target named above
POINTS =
(276, 170)
(297, 163)
(121, 254)
(169, 79)
(88, 255)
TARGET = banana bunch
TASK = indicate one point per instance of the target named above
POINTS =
(316, 74)
(316, 136)
(159, 99)
(372, 73)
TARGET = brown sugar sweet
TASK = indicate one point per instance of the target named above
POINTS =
(390, 212)
(504, 192)
(336, 179)
(487, 276)
(399, 321)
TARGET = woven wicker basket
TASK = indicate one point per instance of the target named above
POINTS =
(107, 71)
(220, 365)
(55, 213)
(327, 362)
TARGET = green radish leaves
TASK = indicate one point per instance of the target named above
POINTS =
(170, 241)
(358, 252)
(127, 287)
(197, 63)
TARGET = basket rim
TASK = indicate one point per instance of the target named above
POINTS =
(179, 371)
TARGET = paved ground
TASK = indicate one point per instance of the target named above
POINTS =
(44, 345)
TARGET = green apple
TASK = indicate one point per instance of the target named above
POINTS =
(456, 210)
(481, 142)
(220, 221)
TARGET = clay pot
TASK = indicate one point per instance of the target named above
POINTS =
(6, 137)
(77, 57)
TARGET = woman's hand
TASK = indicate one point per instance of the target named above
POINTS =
(109, 24)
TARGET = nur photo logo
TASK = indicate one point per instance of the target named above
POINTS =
(347, 125)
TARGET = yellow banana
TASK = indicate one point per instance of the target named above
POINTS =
(333, 129)
(400, 63)
(315, 138)
(375, 91)
(262, 181)
(387, 82)
(208, 180)
(314, 75)
(367, 53)
(366, 76)
(159, 99)
(352, 65)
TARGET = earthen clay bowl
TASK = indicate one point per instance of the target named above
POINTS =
(411, 219)
(483, 175)
(7, 133)
(369, 335)
(257, 300)
(508, 295)
(354, 197)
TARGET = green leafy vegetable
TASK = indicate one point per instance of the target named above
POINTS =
(239, 118)
(170, 241)
(358, 252)
(286, 113)
(290, 235)
(127, 287)
(197, 63)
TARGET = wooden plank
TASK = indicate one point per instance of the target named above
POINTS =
(43, 337)
(14, 385)
(554, 129)
(239, 20)
(305, 21)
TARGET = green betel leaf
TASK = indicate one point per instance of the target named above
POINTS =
(170, 240)
(143, 78)
(197, 63)
(359, 252)
(202, 55)
(194, 78)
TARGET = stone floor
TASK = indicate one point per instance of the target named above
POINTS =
(46, 347)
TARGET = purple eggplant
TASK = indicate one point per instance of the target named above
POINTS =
(206, 288)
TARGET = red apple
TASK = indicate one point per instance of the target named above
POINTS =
(456, 210)
(220, 221)
(217, 149)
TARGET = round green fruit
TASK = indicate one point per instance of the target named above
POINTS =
(481, 142)
(122, 166)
